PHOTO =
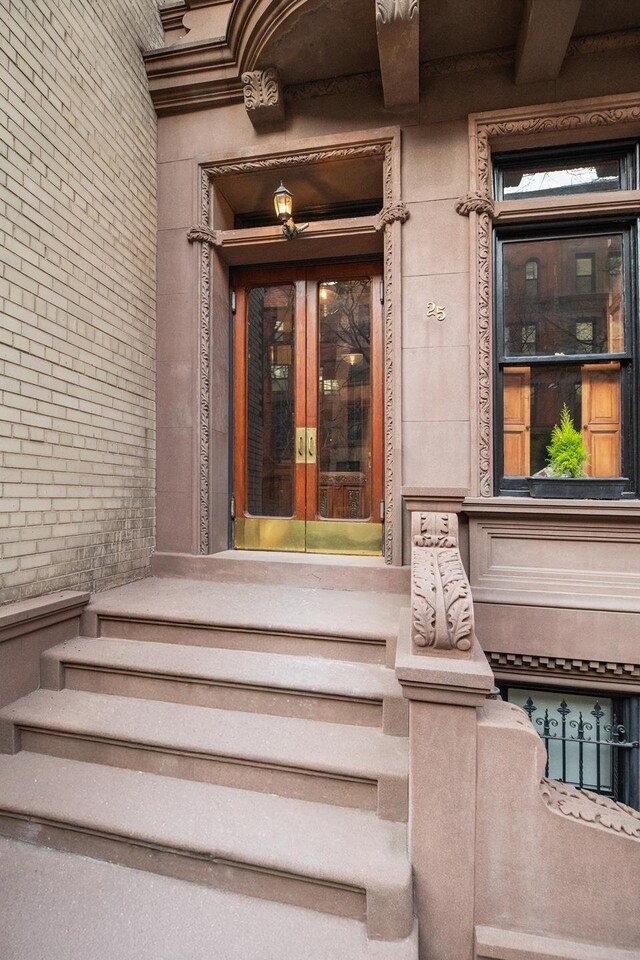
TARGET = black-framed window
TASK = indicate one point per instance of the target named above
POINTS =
(591, 738)
(553, 172)
(566, 316)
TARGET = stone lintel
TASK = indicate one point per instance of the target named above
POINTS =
(398, 30)
(545, 32)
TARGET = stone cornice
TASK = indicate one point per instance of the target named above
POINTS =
(196, 75)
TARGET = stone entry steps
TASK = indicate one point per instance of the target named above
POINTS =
(328, 858)
(320, 689)
(338, 624)
(279, 772)
(143, 916)
(340, 764)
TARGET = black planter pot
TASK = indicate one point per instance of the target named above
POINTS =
(577, 488)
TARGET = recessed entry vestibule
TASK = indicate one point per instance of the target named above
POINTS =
(307, 394)
(336, 185)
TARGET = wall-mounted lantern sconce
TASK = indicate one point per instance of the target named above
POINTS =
(283, 204)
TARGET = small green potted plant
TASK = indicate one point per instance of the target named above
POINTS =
(565, 476)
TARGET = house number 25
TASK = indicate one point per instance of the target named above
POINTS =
(435, 310)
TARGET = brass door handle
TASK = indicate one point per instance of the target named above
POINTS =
(311, 444)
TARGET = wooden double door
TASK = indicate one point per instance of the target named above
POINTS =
(307, 409)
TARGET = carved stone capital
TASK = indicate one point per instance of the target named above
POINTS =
(263, 96)
(441, 604)
(389, 11)
(398, 31)
(391, 213)
(475, 203)
(203, 234)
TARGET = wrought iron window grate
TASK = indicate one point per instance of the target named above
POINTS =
(590, 743)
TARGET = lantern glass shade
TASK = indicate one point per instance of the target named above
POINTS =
(283, 203)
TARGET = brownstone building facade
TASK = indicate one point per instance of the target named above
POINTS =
(287, 623)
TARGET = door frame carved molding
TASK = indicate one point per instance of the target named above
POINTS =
(550, 124)
(384, 143)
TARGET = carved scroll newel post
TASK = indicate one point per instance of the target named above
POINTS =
(441, 604)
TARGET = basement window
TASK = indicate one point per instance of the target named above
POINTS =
(591, 739)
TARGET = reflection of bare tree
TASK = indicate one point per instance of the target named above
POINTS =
(346, 315)
(270, 399)
(345, 357)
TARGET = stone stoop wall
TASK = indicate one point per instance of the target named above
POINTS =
(77, 294)
(550, 860)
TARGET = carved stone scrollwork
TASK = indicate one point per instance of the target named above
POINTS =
(591, 808)
(388, 11)
(202, 234)
(475, 203)
(441, 604)
(263, 97)
(394, 212)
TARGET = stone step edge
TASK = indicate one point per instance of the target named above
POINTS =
(56, 660)
(91, 616)
(390, 786)
(382, 898)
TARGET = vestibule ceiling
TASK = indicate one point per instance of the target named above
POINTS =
(319, 185)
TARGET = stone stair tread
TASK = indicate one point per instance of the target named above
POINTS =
(272, 833)
(335, 748)
(277, 671)
(173, 918)
(364, 615)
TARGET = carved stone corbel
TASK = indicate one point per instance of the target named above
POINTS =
(475, 203)
(391, 213)
(263, 96)
(441, 604)
(397, 26)
(202, 234)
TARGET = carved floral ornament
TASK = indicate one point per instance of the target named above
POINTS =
(392, 213)
(263, 97)
(389, 11)
(441, 604)
(475, 203)
(591, 808)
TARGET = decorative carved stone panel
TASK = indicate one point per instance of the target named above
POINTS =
(397, 25)
(441, 604)
(263, 97)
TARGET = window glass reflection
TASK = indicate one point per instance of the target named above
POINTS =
(270, 401)
(344, 399)
(560, 179)
(563, 296)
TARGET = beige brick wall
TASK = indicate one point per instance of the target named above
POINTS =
(77, 294)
